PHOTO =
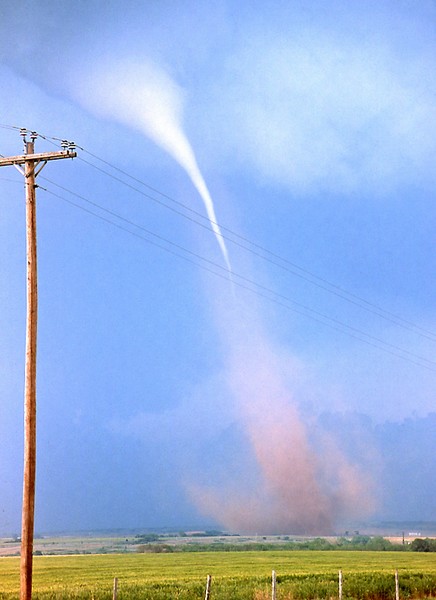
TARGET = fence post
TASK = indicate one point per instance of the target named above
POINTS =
(340, 584)
(114, 594)
(397, 586)
(208, 586)
(273, 585)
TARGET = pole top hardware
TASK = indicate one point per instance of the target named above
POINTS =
(68, 146)
(23, 133)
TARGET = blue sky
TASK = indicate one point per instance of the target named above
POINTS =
(168, 392)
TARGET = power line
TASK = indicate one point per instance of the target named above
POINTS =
(306, 275)
(9, 180)
(11, 127)
(271, 257)
(268, 255)
(241, 280)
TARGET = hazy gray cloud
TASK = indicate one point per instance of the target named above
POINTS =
(316, 113)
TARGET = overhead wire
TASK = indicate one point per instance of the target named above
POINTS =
(10, 180)
(303, 273)
(306, 275)
(338, 291)
(241, 280)
(11, 127)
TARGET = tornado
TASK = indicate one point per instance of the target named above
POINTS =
(145, 98)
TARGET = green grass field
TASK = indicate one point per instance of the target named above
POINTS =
(236, 575)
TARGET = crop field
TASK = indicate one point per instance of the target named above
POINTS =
(301, 575)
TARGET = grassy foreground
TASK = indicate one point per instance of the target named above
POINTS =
(301, 575)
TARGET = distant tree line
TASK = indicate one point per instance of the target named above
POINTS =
(147, 538)
(423, 545)
(357, 542)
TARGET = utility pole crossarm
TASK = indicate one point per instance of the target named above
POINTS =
(41, 156)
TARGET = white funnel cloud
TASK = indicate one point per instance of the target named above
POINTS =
(145, 98)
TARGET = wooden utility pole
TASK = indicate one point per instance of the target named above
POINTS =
(33, 163)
